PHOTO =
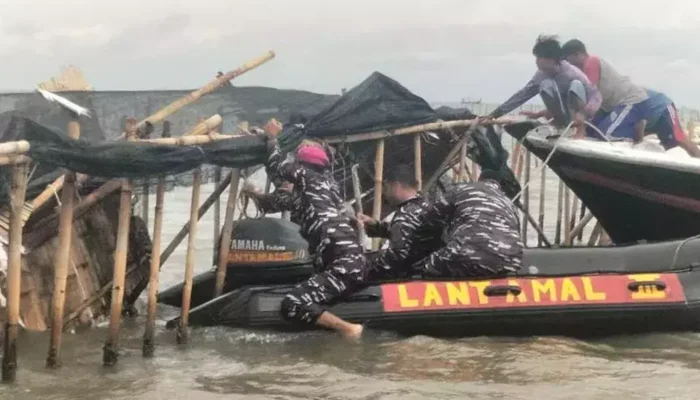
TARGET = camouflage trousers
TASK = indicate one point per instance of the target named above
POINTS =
(343, 276)
(457, 260)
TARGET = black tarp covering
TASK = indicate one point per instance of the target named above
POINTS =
(123, 159)
(379, 102)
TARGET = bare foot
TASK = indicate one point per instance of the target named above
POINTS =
(354, 332)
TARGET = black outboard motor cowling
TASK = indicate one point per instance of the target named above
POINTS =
(267, 242)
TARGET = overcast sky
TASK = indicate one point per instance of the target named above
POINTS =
(443, 50)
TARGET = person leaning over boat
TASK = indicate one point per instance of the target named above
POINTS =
(411, 237)
(565, 90)
(338, 257)
(622, 110)
(482, 231)
(628, 110)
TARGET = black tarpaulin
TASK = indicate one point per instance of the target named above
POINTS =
(379, 102)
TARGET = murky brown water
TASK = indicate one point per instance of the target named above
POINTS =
(223, 363)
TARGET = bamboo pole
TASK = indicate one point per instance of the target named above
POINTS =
(595, 234)
(526, 195)
(14, 159)
(448, 159)
(109, 354)
(567, 217)
(145, 201)
(572, 223)
(184, 231)
(418, 160)
(15, 147)
(149, 333)
(217, 208)
(582, 215)
(225, 242)
(204, 90)
(14, 273)
(560, 205)
(580, 226)
(435, 126)
(463, 163)
(182, 332)
(378, 186)
(543, 185)
(63, 258)
(357, 193)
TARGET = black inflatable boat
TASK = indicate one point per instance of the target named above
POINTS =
(570, 291)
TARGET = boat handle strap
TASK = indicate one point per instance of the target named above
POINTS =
(502, 290)
(635, 286)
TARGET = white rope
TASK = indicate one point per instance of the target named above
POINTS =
(546, 161)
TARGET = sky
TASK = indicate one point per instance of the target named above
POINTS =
(442, 50)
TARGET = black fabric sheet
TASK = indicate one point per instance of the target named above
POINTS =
(379, 102)
(123, 159)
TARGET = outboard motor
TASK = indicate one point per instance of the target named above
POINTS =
(263, 251)
(266, 242)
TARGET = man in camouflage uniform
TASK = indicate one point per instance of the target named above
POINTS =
(339, 259)
(482, 228)
(411, 237)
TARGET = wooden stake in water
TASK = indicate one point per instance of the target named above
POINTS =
(226, 233)
(560, 208)
(182, 331)
(418, 160)
(145, 201)
(217, 208)
(526, 196)
(378, 184)
(65, 233)
(149, 333)
(18, 190)
(574, 213)
(567, 217)
(110, 354)
(543, 185)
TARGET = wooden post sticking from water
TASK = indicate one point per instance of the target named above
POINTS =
(110, 354)
(526, 196)
(145, 201)
(63, 258)
(182, 331)
(226, 232)
(418, 159)
(149, 333)
(378, 183)
(14, 272)
(567, 211)
(543, 194)
(217, 208)
(560, 207)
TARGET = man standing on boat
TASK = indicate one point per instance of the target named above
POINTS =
(411, 237)
(565, 90)
(628, 110)
(482, 231)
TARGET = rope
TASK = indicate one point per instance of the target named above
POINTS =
(546, 161)
(242, 204)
